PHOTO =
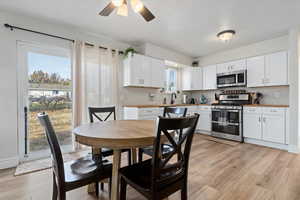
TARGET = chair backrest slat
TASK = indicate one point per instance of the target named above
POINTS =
(93, 111)
(166, 169)
(179, 111)
(58, 164)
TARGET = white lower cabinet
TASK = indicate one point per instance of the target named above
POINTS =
(204, 123)
(273, 121)
(134, 113)
(252, 123)
(266, 123)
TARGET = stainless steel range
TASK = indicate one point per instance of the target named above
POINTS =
(227, 115)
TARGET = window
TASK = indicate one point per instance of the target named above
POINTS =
(171, 83)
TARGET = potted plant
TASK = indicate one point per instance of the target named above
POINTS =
(129, 51)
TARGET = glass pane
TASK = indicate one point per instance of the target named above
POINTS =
(171, 80)
(50, 91)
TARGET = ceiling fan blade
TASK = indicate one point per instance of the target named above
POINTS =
(108, 9)
(147, 14)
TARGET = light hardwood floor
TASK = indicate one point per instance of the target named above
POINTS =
(217, 172)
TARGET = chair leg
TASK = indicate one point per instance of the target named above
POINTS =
(109, 187)
(129, 157)
(184, 192)
(102, 186)
(97, 188)
(55, 191)
(62, 196)
(123, 189)
(140, 155)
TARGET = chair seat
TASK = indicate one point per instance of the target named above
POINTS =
(166, 149)
(85, 170)
(138, 175)
(109, 152)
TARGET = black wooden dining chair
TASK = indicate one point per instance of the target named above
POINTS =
(95, 112)
(73, 174)
(159, 177)
(166, 148)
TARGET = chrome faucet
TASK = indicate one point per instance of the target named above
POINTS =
(173, 97)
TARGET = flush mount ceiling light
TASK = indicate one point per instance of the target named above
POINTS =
(121, 5)
(226, 35)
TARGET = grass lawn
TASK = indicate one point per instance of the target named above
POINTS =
(62, 123)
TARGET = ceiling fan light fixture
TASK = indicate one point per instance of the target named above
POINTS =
(123, 10)
(117, 3)
(137, 5)
(226, 35)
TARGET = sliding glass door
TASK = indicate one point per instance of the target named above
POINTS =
(44, 86)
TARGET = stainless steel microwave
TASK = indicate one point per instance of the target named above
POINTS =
(232, 79)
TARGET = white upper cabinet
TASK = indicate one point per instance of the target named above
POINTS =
(146, 71)
(197, 83)
(238, 65)
(186, 78)
(158, 73)
(143, 71)
(268, 70)
(276, 69)
(223, 68)
(192, 78)
(231, 66)
(209, 77)
(255, 71)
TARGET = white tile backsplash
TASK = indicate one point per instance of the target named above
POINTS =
(272, 95)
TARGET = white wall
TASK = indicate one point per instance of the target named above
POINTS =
(259, 48)
(294, 74)
(163, 53)
(9, 69)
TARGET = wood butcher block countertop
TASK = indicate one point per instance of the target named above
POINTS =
(163, 105)
(267, 105)
(174, 105)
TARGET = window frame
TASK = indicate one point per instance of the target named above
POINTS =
(168, 69)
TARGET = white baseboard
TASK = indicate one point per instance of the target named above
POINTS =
(203, 132)
(267, 144)
(293, 149)
(9, 162)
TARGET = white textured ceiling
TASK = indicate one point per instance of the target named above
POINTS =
(187, 26)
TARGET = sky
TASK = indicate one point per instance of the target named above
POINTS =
(50, 64)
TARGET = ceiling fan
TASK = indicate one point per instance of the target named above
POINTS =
(122, 7)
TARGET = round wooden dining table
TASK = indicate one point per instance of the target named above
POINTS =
(117, 135)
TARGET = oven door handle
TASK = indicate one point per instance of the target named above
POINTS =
(233, 111)
(226, 123)
(227, 110)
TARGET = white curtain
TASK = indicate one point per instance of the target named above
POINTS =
(95, 78)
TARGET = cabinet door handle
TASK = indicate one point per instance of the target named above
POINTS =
(264, 120)
(259, 119)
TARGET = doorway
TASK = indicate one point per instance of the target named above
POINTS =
(45, 85)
